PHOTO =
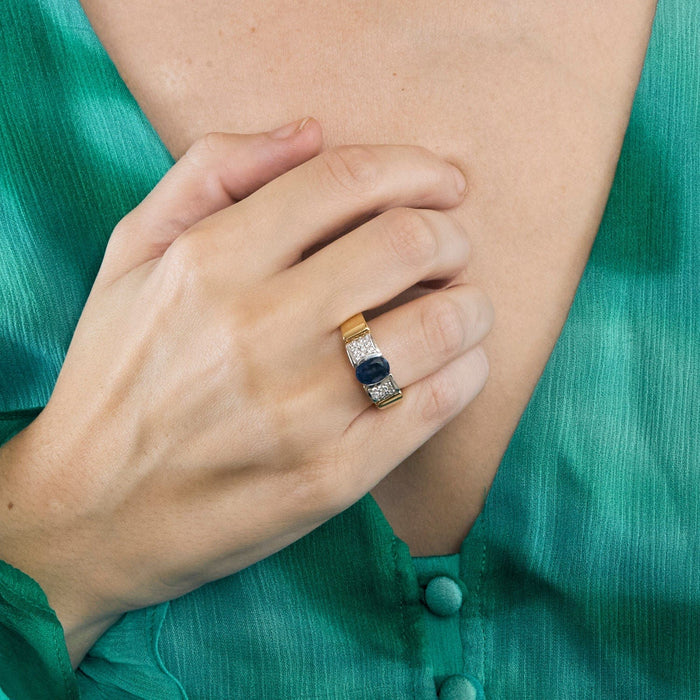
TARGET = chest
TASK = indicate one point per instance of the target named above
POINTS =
(532, 101)
(446, 76)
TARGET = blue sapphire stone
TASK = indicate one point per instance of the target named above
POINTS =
(372, 370)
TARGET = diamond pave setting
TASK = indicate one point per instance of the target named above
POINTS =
(379, 391)
(361, 349)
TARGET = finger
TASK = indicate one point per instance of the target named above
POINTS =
(377, 261)
(416, 338)
(335, 190)
(215, 172)
(379, 440)
(420, 337)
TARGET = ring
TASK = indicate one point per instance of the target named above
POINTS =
(371, 367)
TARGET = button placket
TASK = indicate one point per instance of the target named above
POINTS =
(442, 596)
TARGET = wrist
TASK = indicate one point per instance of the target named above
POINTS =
(36, 541)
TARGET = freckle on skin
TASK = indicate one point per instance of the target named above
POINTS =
(10, 505)
(252, 30)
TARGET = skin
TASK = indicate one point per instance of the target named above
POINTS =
(189, 453)
(530, 100)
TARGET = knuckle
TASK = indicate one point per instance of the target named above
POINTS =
(443, 326)
(411, 237)
(211, 142)
(442, 397)
(204, 149)
(350, 169)
(185, 260)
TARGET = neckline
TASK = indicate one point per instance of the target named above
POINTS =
(380, 517)
(429, 559)
(86, 25)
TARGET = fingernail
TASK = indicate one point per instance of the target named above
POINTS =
(460, 180)
(303, 124)
(289, 129)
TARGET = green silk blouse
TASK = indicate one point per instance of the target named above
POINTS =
(580, 578)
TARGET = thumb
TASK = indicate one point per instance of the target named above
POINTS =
(216, 171)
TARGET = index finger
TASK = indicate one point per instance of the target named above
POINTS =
(331, 192)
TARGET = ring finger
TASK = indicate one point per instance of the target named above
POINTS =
(423, 335)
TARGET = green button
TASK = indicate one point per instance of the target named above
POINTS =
(461, 688)
(443, 596)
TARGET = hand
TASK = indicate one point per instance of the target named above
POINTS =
(206, 415)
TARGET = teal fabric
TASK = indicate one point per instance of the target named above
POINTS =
(581, 576)
(76, 154)
(443, 632)
(30, 640)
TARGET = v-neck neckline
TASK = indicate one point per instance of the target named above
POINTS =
(87, 26)
(383, 522)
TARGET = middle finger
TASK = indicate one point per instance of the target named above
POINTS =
(376, 262)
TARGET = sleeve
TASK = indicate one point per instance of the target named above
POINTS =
(34, 660)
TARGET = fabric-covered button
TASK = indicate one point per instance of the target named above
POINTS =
(461, 687)
(443, 596)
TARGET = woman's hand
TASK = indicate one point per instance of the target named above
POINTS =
(206, 414)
